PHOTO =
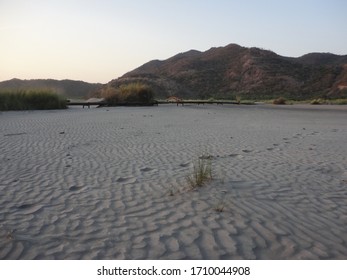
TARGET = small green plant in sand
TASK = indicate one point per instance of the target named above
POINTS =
(10, 234)
(221, 204)
(202, 172)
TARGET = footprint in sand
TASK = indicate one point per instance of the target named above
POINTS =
(30, 208)
(147, 169)
(25, 206)
(75, 188)
(15, 134)
(298, 135)
(186, 164)
(126, 180)
(236, 156)
(344, 177)
(247, 151)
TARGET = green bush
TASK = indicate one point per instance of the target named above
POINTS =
(133, 93)
(31, 100)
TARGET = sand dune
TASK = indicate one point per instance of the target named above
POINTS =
(97, 183)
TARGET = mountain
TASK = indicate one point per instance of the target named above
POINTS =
(67, 88)
(230, 71)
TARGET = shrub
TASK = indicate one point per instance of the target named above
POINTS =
(279, 101)
(111, 95)
(134, 93)
(31, 100)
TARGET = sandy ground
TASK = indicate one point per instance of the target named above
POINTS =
(96, 183)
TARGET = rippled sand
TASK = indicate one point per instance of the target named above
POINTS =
(97, 183)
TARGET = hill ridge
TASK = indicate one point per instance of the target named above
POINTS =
(233, 70)
(66, 87)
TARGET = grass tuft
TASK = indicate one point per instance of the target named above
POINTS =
(202, 172)
(10, 234)
(221, 203)
(219, 207)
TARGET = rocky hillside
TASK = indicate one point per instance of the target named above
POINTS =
(67, 88)
(227, 72)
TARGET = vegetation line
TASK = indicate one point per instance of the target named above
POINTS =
(31, 100)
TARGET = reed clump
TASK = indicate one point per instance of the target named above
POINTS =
(31, 100)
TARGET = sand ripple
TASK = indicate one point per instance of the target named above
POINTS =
(111, 184)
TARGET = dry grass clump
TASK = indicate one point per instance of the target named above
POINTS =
(202, 172)
(133, 93)
(279, 101)
(31, 100)
(222, 202)
(220, 206)
(317, 101)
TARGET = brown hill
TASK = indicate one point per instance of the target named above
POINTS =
(67, 88)
(227, 72)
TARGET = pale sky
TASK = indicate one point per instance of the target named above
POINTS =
(100, 40)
